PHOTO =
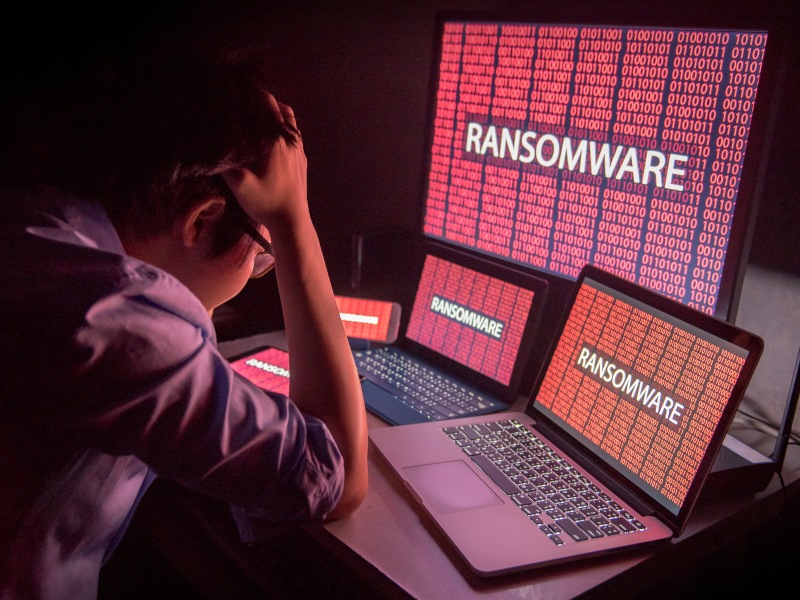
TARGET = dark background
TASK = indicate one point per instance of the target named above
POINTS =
(357, 74)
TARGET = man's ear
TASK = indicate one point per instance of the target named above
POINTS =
(200, 221)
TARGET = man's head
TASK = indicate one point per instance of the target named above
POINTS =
(183, 119)
(159, 138)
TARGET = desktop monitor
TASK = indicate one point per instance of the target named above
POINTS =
(636, 148)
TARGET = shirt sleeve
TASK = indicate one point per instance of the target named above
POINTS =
(151, 383)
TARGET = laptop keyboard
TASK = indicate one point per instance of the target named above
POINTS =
(425, 389)
(555, 496)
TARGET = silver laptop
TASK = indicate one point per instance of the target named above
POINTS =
(465, 346)
(620, 432)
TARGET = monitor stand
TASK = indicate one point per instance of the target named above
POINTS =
(740, 467)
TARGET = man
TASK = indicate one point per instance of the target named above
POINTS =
(193, 180)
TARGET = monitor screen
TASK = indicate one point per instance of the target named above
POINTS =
(557, 145)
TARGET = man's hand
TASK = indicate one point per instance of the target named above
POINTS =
(279, 196)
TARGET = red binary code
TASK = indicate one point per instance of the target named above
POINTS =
(470, 317)
(646, 392)
(554, 146)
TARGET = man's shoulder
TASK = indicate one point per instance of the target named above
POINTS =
(72, 262)
(47, 213)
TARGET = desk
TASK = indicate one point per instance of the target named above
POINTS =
(389, 542)
(389, 549)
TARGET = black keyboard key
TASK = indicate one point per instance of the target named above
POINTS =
(453, 407)
(609, 529)
(488, 467)
(623, 525)
(572, 530)
(521, 500)
(590, 528)
(469, 432)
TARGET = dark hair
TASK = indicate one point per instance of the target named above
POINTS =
(155, 140)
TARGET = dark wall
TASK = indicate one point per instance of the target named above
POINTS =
(357, 74)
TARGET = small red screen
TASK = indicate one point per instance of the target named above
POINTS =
(363, 318)
(268, 369)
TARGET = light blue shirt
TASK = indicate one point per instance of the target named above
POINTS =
(109, 375)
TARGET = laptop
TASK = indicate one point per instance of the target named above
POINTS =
(622, 427)
(464, 345)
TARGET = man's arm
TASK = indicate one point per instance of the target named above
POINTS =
(324, 380)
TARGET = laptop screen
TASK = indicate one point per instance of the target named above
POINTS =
(472, 318)
(475, 319)
(642, 389)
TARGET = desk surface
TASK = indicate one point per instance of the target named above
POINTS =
(392, 541)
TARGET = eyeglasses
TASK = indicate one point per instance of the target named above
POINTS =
(264, 261)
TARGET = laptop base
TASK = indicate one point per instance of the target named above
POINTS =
(391, 410)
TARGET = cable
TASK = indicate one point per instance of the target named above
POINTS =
(763, 425)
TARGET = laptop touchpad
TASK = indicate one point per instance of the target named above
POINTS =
(450, 487)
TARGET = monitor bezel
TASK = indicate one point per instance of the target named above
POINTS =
(759, 137)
